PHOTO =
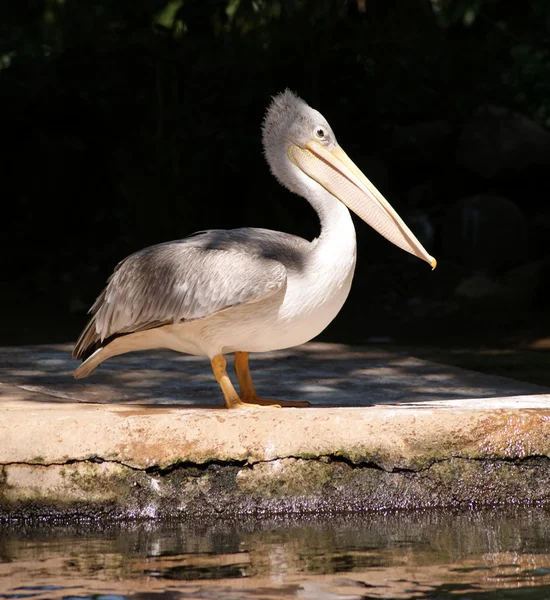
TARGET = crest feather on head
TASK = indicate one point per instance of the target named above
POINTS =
(284, 108)
(286, 122)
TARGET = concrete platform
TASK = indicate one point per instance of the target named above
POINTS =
(143, 438)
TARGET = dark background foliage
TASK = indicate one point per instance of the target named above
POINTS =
(130, 122)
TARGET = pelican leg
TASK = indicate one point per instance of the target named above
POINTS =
(248, 392)
(232, 399)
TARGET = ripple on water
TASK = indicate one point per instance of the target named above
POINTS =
(429, 555)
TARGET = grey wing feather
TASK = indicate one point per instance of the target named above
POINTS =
(184, 280)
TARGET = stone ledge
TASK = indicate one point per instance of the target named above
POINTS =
(60, 458)
(172, 462)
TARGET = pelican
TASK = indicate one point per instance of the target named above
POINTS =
(249, 290)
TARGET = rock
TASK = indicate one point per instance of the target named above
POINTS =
(539, 230)
(497, 142)
(479, 286)
(486, 233)
(422, 194)
(515, 290)
(422, 144)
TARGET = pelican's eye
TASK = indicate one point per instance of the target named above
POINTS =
(320, 133)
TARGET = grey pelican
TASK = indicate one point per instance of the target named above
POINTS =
(249, 290)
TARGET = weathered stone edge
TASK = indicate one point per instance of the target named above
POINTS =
(88, 461)
(87, 491)
(158, 438)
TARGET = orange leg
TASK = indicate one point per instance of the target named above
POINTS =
(232, 399)
(248, 393)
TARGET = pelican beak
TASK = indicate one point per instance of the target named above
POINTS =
(336, 172)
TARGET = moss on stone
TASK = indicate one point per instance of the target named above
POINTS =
(286, 485)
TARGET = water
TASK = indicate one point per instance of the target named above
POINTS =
(441, 555)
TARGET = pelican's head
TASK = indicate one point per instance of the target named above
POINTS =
(296, 135)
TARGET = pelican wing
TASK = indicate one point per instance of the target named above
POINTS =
(182, 281)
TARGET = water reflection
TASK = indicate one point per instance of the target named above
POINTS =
(493, 554)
